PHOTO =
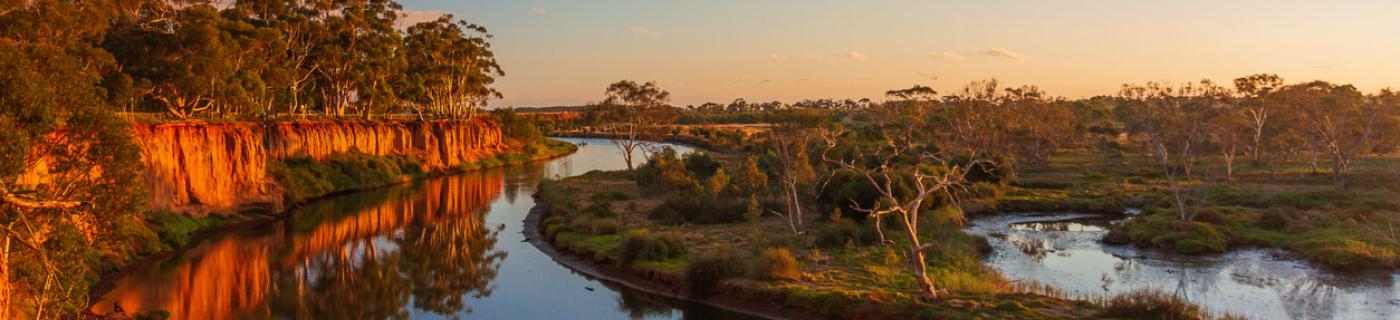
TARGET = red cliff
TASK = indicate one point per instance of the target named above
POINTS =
(202, 168)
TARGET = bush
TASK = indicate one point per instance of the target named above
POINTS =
(1164, 230)
(835, 235)
(610, 196)
(306, 178)
(776, 264)
(602, 226)
(700, 210)
(1144, 304)
(644, 245)
(1276, 218)
(703, 274)
(600, 210)
(701, 164)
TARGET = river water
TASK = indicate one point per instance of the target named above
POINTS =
(448, 247)
(1064, 251)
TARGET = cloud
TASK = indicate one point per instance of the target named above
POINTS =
(1328, 66)
(539, 11)
(855, 56)
(778, 57)
(1000, 54)
(949, 56)
(412, 17)
(644, 31)
(927, 75)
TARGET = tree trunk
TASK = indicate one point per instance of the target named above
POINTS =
(6, 297)
(1339, 173)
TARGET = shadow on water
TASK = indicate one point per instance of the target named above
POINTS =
(1064, 251)
(439, 248)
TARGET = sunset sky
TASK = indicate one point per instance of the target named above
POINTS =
(558, 52)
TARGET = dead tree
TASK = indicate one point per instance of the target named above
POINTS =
(931, 175)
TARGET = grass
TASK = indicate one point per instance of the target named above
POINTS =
(839, 269)
(175, 230)
(760, 259)
(1284, 206)
(304, 178)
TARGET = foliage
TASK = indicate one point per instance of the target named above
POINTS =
(305, 178)
(776, 264)
(77, 213)
(644, 245)
(1151, 305)
(698, 210)
(704, 273)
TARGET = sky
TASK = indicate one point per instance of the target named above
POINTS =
(565, 52)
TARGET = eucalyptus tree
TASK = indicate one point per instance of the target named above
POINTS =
(359, 57)
(633, 113)
(787, 144)
(67, 163)
(911, 178)
(1173, 122)
(450, 67)
(1338, 121)
(1258, 103)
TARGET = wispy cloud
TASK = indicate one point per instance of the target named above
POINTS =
(778, 57)
(1328, 66)
(539, 11)
(412, 17)
(644, 31)
(854, 56)
(947, 56)
(1000, 53)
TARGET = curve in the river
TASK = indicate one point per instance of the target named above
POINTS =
(438, 248)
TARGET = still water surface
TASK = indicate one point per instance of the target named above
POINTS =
(438, 248)
(1064, 251)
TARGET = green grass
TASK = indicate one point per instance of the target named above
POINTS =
(175, 230)
(304, 178)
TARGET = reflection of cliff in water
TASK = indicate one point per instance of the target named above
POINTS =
(362, 256)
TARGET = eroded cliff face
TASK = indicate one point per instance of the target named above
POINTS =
(203, 168)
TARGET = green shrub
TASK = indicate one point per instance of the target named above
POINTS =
(644, 245)
(704, 273)
(610, 196)
(174, 229)
(840, 234)
(1164, 230)
(600, 210)
(701, 164)
(602, 226)
(699, 210)
(304, 178)
(1276, 218)
(776, 264)
(1145, 304)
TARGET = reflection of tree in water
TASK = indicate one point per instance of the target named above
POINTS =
(435, 266)
(1035, 248)
(448, 260)
(1308, 298)
(640, 305)
(340, 285)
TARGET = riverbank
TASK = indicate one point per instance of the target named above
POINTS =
(637, 282)
(1286, 206)
(193, 231)
(594, 223)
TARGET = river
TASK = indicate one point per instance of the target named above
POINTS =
(1064, 252)
(447, 247)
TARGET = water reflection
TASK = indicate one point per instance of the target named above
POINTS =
(441, 248)
(423, 244)
(1064, 251)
